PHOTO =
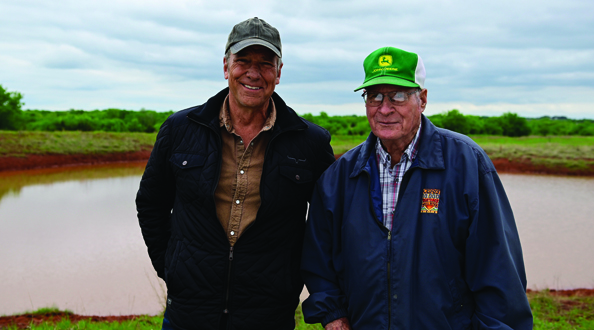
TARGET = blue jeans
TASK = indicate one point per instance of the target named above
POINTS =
(166, 323)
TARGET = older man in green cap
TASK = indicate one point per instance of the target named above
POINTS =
(411, 229)
(223, 199)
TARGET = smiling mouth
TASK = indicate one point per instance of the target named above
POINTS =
(254, 88)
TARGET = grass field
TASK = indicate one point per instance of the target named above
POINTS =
(573, 152)
(561, 313)
(550, 311)
(19, 144)
(556, 151)
(143, 322)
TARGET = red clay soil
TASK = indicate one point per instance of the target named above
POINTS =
(46, 161)
(570, 293)
(505, 166)
(23, 321)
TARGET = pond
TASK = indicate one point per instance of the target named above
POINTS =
(69, 238)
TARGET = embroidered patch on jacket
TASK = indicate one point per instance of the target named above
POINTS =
(430, 201)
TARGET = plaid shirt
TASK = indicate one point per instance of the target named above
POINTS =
(390, 178)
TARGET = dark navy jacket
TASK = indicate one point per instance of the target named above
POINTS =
(255, 285)
(452, 260)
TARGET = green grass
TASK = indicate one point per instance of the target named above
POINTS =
(343, 143)
(550, 312)
(556, 312)
(143, 322)
(572, 152)
(19, 144)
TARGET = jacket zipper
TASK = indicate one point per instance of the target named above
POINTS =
(389, 279)
(226, 310)
(227, 293)
(389, 250)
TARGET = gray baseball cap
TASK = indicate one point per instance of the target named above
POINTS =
(254, 31)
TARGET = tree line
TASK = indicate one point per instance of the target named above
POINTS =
(12, 117)
(508, 124)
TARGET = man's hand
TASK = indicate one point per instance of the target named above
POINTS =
(340, 324)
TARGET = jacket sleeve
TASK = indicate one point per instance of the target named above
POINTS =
(325, 156)
(154, 201)
(494, 265)
(326, 301)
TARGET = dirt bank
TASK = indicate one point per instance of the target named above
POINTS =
(506, 166)
(23, 321)
(54, 160)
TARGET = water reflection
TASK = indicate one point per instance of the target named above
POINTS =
(556, 228)
(71, 239)
(11, 182)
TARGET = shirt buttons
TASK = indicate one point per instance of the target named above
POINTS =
(185, 162)
(395, 296)
(237, 201)
(241, 172)
(232, 233)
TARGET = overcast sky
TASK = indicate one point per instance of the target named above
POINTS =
(530, 57)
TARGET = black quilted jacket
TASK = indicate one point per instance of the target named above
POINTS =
(255, 285)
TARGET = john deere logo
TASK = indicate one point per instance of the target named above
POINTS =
(385, 60)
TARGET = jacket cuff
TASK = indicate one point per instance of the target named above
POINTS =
(334, 315)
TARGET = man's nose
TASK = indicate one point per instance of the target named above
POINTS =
(253, 71)
(386, 107)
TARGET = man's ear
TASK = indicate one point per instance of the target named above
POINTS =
(225, 68)
(423, 97)
(279, 73)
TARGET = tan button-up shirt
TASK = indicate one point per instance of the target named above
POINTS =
(237, 197)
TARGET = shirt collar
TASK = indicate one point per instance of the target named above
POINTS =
(410, 152)
(225, 116)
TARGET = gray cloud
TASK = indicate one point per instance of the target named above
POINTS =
(478, 53)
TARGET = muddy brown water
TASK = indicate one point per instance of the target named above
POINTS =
(69, 238)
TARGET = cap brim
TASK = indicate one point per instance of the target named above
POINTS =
(388, 80)
(238, 46)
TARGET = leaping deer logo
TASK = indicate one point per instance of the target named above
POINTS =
(385, 60)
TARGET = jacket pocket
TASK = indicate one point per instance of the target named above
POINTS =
(171, 261)
(191, 180)
(297, 185)
(296, 175)
(187, 161)
(462, 307)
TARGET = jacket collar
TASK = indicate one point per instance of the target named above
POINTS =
(429, 156)
(208, 113)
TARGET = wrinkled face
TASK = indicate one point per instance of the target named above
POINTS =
(252, 74)
(395, 123)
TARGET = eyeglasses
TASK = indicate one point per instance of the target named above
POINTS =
(396, 98)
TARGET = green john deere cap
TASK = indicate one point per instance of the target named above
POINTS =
(393, 66)
(254, 31)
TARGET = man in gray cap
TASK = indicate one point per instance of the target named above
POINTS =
(223, 198)
(411, 229)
